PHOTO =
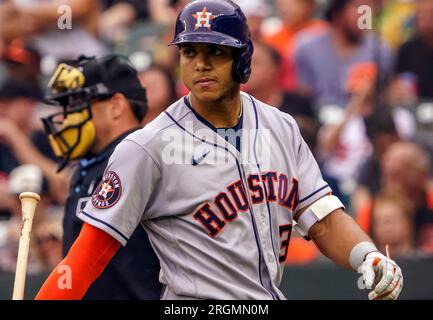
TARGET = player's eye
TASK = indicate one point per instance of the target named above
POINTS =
(216, 51)
(188, 52)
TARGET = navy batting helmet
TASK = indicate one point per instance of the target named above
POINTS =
(217, 22)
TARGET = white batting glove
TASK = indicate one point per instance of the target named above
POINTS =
(382, 275)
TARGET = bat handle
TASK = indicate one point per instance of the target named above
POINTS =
(29, 201)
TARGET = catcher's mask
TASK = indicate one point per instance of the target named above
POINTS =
(73, 87)
(70, 132)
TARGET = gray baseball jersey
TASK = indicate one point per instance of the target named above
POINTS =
(218, 217)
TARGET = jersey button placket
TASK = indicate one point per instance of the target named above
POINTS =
(268, 251)
(262, 233)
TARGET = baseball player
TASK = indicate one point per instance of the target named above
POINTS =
(102, 102)
(218, 181)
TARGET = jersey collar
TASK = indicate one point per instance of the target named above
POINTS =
(207, 123)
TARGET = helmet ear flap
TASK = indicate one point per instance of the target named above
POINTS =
(242, 63)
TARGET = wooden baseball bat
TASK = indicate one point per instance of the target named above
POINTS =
(29, 201)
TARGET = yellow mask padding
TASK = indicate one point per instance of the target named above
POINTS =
(71, 135)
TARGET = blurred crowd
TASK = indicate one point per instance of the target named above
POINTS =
(360, 89)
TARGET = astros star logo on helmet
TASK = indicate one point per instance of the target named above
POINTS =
(203, 19)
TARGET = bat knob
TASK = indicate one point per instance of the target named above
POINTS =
(29, 195)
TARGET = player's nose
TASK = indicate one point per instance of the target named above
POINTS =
(202, 62)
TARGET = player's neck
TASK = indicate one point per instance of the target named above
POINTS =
(223, 113)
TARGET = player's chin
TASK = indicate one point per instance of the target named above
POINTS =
(206, 95)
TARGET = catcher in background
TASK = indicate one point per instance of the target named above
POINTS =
(218, 181)
(101, 102)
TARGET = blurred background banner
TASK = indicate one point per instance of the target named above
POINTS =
(357, 76)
